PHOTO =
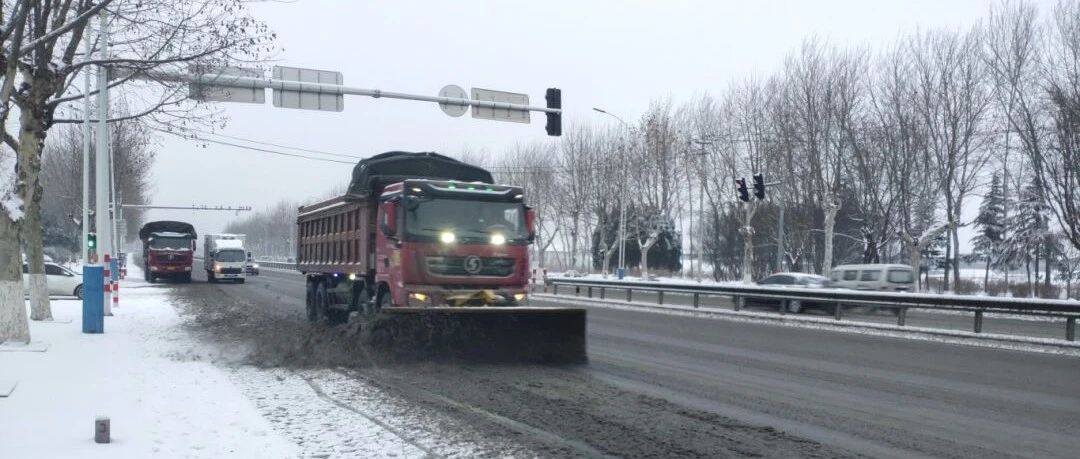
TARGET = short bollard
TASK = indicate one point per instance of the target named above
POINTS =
(93, 302)
(102, 429)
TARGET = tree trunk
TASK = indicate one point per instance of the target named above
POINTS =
(1027, 267)
(574, 243)
(13, 324)
(748, 253)
(1048, 272)
(1035, 285)
(956, 253)
(31, 138)
(645, 255)
(986, 276)
(915, 258)
(831, 208)
(948, 259)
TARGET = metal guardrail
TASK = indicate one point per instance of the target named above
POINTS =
(276, 264)
(837, 298)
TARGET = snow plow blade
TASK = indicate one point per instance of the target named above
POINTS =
(506, 334)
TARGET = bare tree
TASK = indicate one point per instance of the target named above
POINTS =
(40, 48)
(952, 99)
(655, 172)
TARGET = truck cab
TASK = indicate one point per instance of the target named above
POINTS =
(452, 243)
(224, 257)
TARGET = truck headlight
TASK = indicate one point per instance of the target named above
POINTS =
(256, 266)
(519, 296)
(447, 237)
(498, 239)
(217, 267)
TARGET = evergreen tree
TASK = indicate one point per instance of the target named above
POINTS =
(991, 226)
(1027, 228)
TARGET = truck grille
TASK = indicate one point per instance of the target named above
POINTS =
(231, 270)
(470, 266)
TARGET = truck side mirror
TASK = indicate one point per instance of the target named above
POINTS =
(389, 219)
(530, 223)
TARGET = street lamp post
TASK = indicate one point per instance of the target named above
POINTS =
(622, 199)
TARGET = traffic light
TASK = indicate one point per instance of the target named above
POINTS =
(554, 120)
(91, 240)
(759, 186)
(740, 186)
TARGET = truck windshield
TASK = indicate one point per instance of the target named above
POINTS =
(466, 219)
(170, 243)
(230, 256)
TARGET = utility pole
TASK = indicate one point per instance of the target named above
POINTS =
(84, 252)
(101, 157)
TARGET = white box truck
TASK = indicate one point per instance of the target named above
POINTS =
(224, 257)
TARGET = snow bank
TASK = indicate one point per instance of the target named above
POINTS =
(163, 400)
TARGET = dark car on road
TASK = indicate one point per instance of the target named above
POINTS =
(792, 280)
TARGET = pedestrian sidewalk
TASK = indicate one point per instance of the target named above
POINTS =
(144, 373)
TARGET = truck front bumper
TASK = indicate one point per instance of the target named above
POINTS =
(428, 296)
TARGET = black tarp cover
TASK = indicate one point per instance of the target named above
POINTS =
(164, 226)
(372, 174)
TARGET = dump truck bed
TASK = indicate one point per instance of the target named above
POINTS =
(336, 236)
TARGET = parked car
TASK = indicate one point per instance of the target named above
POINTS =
(796, 280)
(881, 277)
(60, 280)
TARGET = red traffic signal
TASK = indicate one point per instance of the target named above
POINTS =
(759, 186)
(740, 186)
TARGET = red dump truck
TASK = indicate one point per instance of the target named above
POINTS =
(422, 244)
(168, 250)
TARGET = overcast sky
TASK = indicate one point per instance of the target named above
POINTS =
(613, 54)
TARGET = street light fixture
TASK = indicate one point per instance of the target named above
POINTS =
(622, 199)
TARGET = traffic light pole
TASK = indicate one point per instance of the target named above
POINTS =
(239, 81)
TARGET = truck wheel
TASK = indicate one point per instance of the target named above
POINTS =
(240, 281)
(309, 302)
(322, 303)
(186, 279)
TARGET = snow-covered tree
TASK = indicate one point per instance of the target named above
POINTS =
(990, 224)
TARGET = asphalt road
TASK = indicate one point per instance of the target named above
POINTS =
(670, 386)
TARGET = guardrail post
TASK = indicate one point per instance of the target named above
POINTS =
(1070, 328)
(577, 290)
(737, 301)
(555, 289)
(590, 292)
(783, 307)
(629, 295)
(697, 299)
(660, 297)
(901, 317)
(837, 311)
(601, 293)
(978, 320)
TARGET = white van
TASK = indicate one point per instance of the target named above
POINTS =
(891, 278)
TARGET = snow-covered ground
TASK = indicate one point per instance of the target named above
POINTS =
(169, 394)
(159, 405)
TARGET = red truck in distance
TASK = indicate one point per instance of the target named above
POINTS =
(168, 249)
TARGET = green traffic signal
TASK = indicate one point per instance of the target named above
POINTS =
(91, 240)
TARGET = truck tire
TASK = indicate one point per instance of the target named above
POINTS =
(385, 300)
(186, 278)
(309, 301)
(240, 281)
(322, 303)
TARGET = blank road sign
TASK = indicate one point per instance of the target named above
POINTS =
(228, 90)
(308, 98)
(500, 114)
